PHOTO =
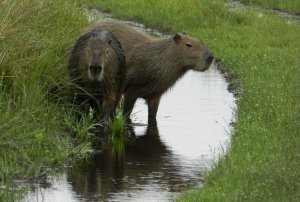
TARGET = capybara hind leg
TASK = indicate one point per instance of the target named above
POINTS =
(153, 104)
(129, 101)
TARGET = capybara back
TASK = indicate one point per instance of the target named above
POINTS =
(127, 36)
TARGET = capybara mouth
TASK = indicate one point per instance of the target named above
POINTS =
(94, 76)
(205, 66)
(209, 60)
(95, 70)
(210, 64)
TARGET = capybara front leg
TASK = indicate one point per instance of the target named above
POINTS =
(108, 107)
(82, 105)
(153, 104)
(129, 101)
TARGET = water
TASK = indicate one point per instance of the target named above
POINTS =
(193, 131)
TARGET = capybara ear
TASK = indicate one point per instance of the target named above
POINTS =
(109, 41)
(177, 37)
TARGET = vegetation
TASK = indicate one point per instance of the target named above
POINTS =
(118, 136)
(288, 6)
(35, 38)
(38, 131)
(261, 53)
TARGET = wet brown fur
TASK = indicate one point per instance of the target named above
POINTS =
(154, 65)
(102, 93)
(127, 36)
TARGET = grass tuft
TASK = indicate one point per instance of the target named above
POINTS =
(118, 136)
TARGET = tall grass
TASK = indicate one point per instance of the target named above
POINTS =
(35, 38)
(291, 6)
(263, 53)
(118, 136)
(38, 128)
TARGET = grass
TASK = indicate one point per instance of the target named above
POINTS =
(35, 38)
(118, 136)
(38, 131)
(288, 6)
(263, 53)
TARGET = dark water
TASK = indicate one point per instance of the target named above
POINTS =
(193, 131)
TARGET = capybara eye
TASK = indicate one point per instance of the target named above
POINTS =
(188, 45)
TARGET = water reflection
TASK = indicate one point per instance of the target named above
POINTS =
(193, 127)
(149, 168)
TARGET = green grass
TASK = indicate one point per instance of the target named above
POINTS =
(291, 6)
(118, 136)
(35, 38)
(263, 53)
(38, 129)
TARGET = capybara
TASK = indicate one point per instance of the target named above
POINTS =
(127, 36)
(98, 67)
(154, 65)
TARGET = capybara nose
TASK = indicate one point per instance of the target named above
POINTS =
(95, 68)
(209, 58)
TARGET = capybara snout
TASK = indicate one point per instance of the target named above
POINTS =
(94, 71)
(209, 58)
(95, 68)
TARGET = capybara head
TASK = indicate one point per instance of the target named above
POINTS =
(193, 53)
(95, 56)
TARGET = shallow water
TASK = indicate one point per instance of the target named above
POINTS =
(193, 131)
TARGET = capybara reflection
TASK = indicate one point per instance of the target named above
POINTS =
(98, 67)
(154, 65)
